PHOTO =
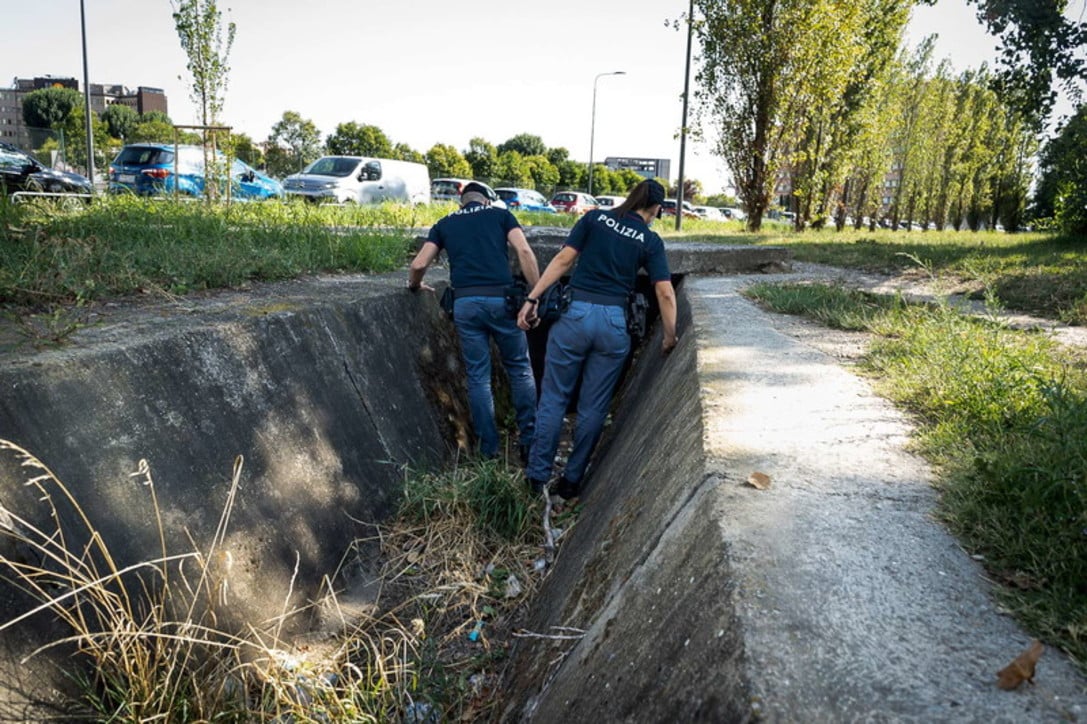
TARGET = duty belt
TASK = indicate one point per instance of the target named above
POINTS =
(611, 300)
(462, 292)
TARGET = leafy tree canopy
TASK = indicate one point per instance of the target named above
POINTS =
(302, 140)
(482, 157)
(443, 161)
(50, 107)
(120, 120)
(1036, 42)
(353, 139)
(1062, 188)
(525, 144)
(404, 152)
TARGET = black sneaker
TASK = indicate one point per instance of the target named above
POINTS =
(536, 486)
(566, 490)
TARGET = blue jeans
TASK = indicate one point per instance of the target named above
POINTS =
(478, 320)
(589, 342)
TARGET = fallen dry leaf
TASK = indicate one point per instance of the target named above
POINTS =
(759, 480)
(1021, 669)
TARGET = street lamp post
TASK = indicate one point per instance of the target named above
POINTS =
(592, 127)
(87, 97)
(683, 124)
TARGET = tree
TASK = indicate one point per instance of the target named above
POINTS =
(849, 55)
(404, 152)
(557, 155)
(753, 85)
(120, 120)
(483, 158)
(572, 175)
(787, 82)
(1037, 43)
(50, 107)
(156, 127)
(353, 139)
(543, 173)
(525, 144)
(199, 27)
(75, 131)
(1062, 187)
(444, 161)
(511, 170)
(246, 150)
(302, 139)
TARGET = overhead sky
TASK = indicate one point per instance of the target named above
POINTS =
(426, 71)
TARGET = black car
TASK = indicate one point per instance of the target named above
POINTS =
(19, 171)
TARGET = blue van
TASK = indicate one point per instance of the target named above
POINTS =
(149, 169)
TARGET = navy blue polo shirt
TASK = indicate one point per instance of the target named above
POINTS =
(475, 238)
(612, 250)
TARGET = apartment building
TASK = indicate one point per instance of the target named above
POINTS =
(14, 131)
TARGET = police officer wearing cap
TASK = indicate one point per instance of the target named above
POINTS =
(475, 238)
(590, 341)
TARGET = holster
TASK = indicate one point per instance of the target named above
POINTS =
(637, 312)
(515, 297)
(446, 301)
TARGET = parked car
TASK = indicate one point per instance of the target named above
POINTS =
(609, 202)
(668, 208)
(524, 200)
(573, 202)
(361, 180)
(19, 171)
(710, 213)
(150, 169)
(449, 189)
(731, 212)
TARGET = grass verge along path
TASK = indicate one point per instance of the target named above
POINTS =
(1002, 415)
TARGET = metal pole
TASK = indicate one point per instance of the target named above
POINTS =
(87, 97)
(683, 125)
(592, 127)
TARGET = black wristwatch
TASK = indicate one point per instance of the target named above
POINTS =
(530, 300)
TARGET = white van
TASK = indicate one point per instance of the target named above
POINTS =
(361, 180)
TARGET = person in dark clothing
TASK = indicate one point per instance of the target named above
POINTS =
(476, 238)
(589, 343)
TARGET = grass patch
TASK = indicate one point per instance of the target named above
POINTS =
(118, 246)
(833, 307)
(1044, 274)
(1003, 415)
(454, 566)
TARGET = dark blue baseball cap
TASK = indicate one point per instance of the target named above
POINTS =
(655, 192)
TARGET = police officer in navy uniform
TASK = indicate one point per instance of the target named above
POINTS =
(476, 238)
(590, 341)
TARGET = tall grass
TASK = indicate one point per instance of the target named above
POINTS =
(150, 641)
(1003, 415)
(123, 245)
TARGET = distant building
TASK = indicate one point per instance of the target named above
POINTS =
(647, 167)
(14, 131)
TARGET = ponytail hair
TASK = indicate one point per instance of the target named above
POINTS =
(647, 193)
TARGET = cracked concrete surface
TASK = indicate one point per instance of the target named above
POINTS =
(832, 596)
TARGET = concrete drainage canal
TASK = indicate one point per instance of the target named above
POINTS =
(235, 448)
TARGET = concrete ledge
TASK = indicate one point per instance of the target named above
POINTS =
(683, 257)
(327, 387)
(832, 596)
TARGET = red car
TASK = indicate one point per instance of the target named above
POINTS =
(573, 202)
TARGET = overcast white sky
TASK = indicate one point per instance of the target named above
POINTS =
(425, 71)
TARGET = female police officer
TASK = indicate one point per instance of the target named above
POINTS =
(590, 340)
(476, 238)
